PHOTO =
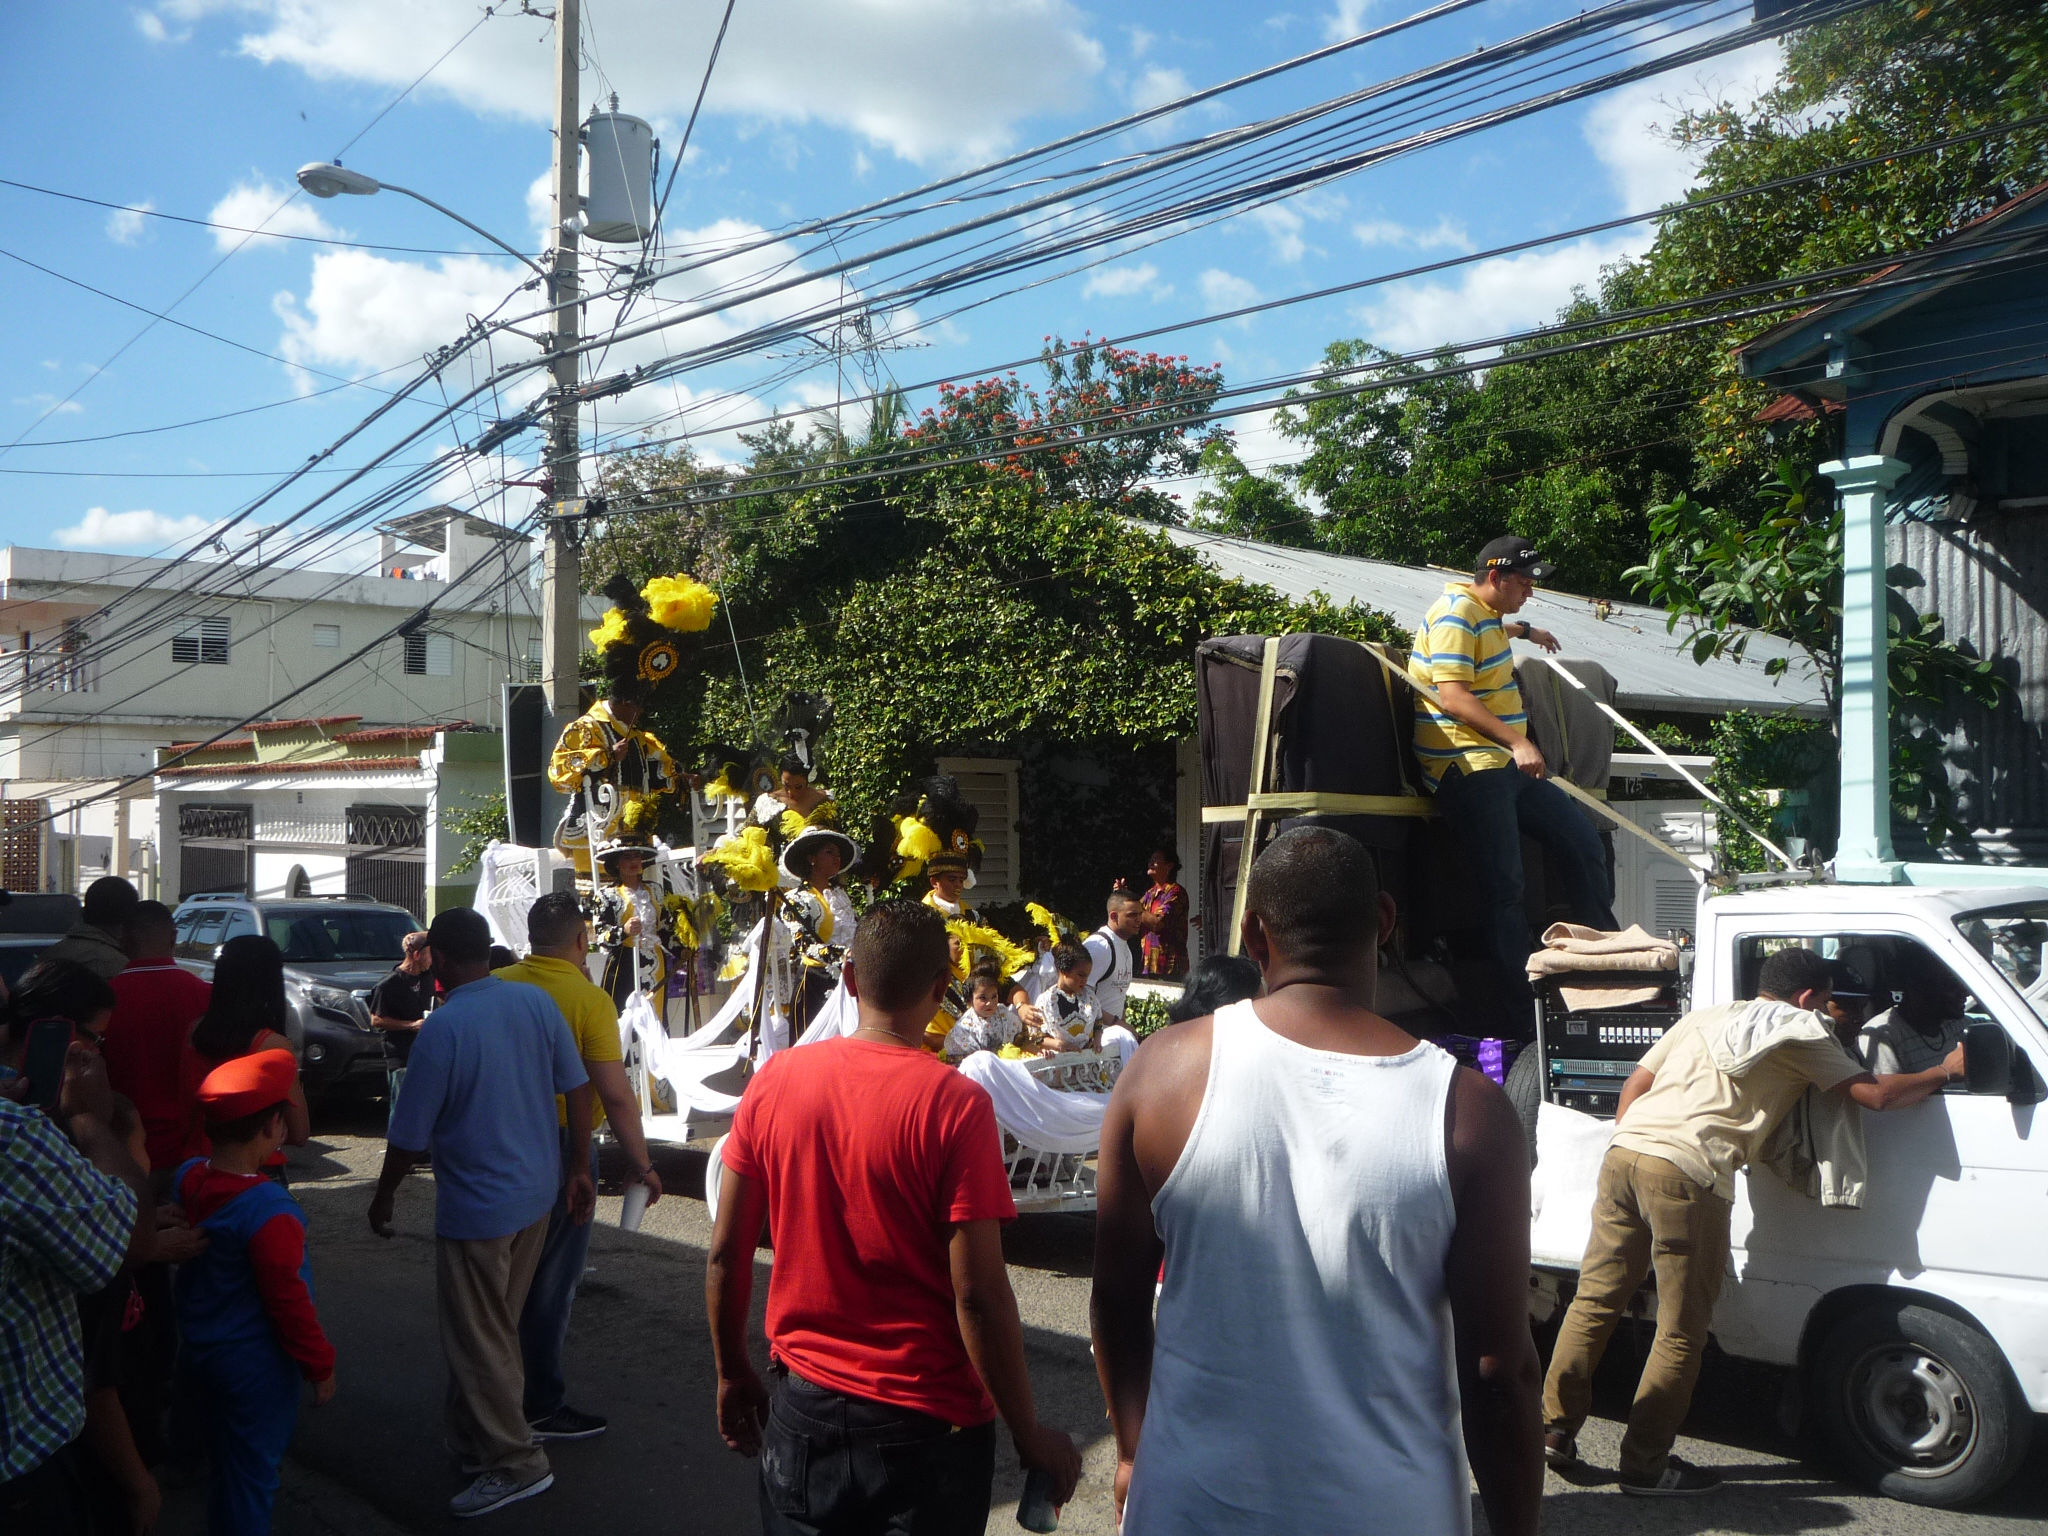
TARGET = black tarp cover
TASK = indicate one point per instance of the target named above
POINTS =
(1337, 729)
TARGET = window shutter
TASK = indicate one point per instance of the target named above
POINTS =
(202, 642)
(429, 655)
(989, 784)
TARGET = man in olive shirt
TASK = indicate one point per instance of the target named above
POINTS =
(1693, 1113)
(560, 942)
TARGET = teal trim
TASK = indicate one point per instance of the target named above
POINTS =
(1864, 852)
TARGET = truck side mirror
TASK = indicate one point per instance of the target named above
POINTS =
(1992, 1066)
(1987, 1059)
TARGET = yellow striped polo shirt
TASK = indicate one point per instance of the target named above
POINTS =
(1461, 641)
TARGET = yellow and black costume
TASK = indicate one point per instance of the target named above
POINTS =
(612, 770)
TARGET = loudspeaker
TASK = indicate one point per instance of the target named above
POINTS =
(526, 755)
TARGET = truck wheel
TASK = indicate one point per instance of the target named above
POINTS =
(1525, 1091)
(1919, 1405)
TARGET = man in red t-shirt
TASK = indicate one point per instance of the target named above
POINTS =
(892, 1328)
(156, 1003)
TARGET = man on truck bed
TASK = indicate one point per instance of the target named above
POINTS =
(1488, 776)
(1694, 1111)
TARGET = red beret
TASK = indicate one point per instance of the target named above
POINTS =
(248, 1084)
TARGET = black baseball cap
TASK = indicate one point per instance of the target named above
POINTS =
(1511, 553)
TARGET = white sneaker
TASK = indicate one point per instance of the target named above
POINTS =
(494, 1490)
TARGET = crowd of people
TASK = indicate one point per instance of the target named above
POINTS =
(152, 1250)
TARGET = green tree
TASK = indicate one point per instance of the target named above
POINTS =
(1109, 419)
(1728, 579)
(1246, 505)
(950, 617)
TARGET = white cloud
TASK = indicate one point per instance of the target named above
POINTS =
(125, 225)
(1223, 290)
(1444, 235)
(100, 529)
(1628, 129)
(43, 402)
(1141, 41)
(367, 312)
(257, 204)
(1156, 86)
(1122, 282)
(930, 80)
(1507, 294)
(1347, 20)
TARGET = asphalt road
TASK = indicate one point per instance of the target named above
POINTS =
(372, 1464)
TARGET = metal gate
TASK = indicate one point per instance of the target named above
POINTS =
(387, 855)
(213, 848)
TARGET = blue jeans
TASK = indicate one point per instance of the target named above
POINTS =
(1488, 812)
(544, 1324)
(833, 1465)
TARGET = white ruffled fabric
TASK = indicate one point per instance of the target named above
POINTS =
(1041, 1117)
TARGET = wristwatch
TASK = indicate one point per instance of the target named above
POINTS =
(1528, 629)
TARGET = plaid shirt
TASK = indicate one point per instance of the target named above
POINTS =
(64, 1229)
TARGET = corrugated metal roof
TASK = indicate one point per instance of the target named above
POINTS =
(1650, 669)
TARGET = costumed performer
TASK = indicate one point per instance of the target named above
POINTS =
(798, 801)
(818, 916)
(631, 918)
(613, 772)
(937, 839)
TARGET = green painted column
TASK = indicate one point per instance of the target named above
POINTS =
(1865, 851)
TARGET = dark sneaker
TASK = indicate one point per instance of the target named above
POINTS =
(1678, 1480)
(493, 1491)
(1560, 1451)
(565, 1423)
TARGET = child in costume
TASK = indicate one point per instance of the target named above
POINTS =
(245, 1305)
(989, 1023)
(1072, 1016)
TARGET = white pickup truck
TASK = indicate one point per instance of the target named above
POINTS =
(1918, 1324)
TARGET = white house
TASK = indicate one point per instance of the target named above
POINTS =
(107, 659)
(319, 807)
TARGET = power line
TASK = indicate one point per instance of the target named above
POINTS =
(194, 286)
(1443, 264)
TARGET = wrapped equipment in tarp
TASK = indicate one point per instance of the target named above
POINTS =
(1338, 728)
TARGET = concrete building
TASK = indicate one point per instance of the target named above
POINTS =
(105, 660)
(324, 807)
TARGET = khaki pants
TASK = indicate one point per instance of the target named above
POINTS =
(481, 1288)
(1647, 1214)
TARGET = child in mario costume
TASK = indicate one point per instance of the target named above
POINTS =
(245, 1305)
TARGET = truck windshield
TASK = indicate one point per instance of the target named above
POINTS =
(310, 935)
(2013, 939)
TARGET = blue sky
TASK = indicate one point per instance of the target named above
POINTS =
(205, 108)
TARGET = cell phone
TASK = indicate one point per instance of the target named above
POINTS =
(49, 1043)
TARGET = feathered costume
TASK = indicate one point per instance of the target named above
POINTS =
(614, 773)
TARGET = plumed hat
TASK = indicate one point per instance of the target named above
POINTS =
(643, 633)
(802, 720)
(940, 835)
(248, 1085)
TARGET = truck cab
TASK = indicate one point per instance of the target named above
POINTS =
(1917, 1324)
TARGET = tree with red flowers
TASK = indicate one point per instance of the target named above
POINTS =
(1109, 420)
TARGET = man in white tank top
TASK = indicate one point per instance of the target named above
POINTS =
(1344, 1218)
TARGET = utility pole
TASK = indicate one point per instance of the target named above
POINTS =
(561, 560)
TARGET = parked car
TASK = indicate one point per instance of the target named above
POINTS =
(336, 949)
(30, 922)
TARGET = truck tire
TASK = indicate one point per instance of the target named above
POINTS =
(1525, 1091)
(1918, 1405)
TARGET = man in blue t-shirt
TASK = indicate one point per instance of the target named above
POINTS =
(479, 1095)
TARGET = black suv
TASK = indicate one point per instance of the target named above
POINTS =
(336, 948)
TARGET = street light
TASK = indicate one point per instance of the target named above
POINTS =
(334, 180)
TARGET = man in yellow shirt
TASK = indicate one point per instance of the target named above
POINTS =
(1693, 1113)
(1489, 778)
(558, 966)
